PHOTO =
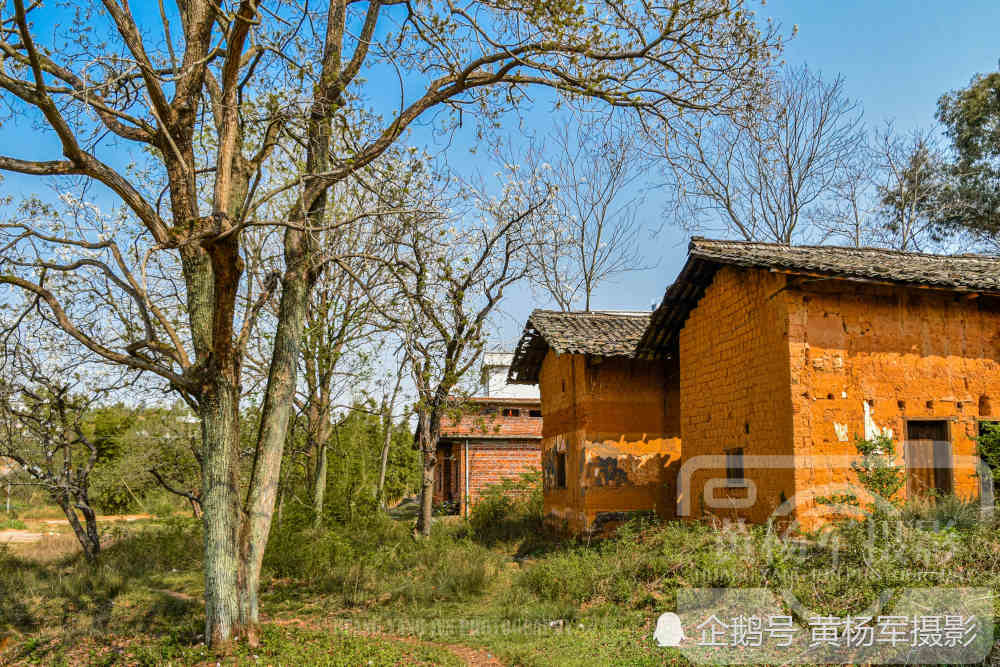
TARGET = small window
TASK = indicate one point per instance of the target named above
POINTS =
(489, 410)
(734, 467)
(534, 413)
(511, 412)
(560, 470)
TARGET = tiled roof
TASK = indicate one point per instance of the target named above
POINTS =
(962, 273)
(603, 334)
(968, 273)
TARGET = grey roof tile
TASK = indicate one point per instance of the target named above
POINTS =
(599, 333)
(963, 273)
(959, 272)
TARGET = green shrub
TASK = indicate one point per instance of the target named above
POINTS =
(877, 470)
(379, 559)
(942, 512)
(509, 510)
(173, 544)
(988, 448)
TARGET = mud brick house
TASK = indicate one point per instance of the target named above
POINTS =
(611, 434)
(767, 362)
(493, 437)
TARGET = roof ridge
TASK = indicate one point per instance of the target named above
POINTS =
(951, 273)
(792, 246)
(577, 313)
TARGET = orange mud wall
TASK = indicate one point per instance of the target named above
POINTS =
(865, 359)
(617, 422)
(734, 388)
(793, 369)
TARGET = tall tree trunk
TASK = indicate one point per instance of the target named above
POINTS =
(429, 425)
(427, 493)
(388, 405)
(88, 539)
(275, 414)
(90, 523)
(319, 488)
(220, 502)
(384, 462)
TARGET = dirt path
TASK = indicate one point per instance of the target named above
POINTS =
(31, 535)
(19, 537)
(107, 518)
(474, 657)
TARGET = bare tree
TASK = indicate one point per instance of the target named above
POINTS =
(449, 274)
(909, 188)
(340, 321)
(43, 411)
(758, 177)
(208, 96)
(591, 232)
(891, 193)
(851, 215)
(387, 407)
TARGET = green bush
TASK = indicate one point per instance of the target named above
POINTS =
(942, 512)
(509, 510)
(130, 442)
(877, 470)
(988, 448)
(173, 544)
(379, 559)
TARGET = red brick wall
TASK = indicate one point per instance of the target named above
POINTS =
(489, 461)
(473, 420)
(492, 462)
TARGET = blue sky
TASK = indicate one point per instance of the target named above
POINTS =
(897, 57)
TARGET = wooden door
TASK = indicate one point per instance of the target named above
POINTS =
(928, 458)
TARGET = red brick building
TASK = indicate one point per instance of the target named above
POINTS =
(745, 390)
(492, 438)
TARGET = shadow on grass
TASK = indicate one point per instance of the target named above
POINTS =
(52, 604)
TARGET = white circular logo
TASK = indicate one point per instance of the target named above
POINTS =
(668, 630)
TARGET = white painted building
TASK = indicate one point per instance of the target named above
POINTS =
(494, 378)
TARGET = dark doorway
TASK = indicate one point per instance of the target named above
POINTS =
(928, 459)
(447, 474)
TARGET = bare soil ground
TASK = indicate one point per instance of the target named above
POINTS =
(39, 528)
(19, 536)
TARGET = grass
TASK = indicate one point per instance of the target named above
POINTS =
(372, 593)
(279, 645)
